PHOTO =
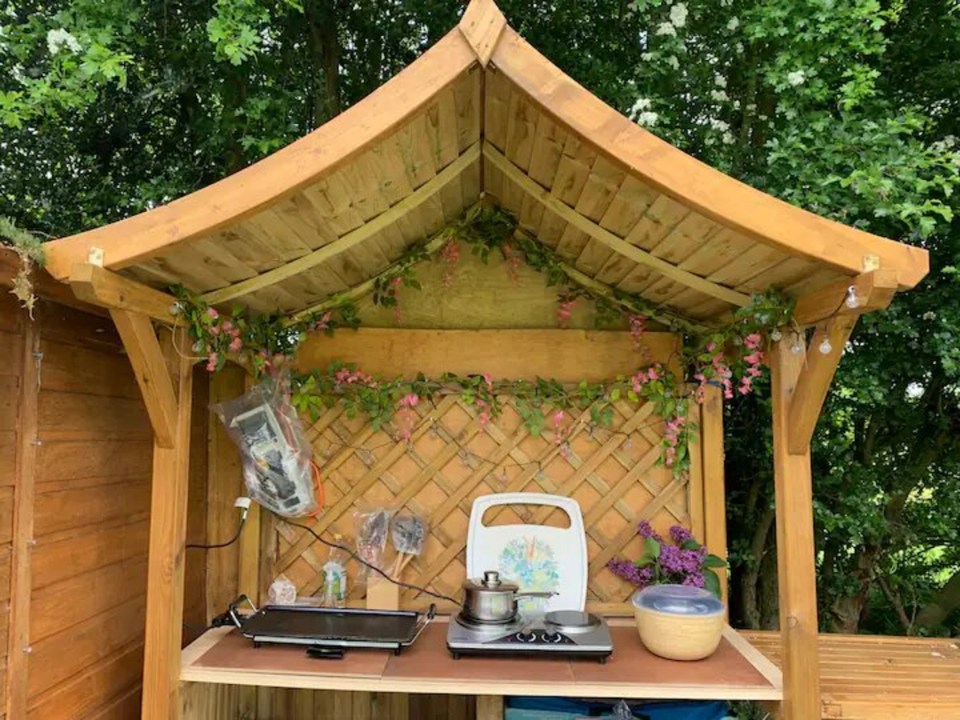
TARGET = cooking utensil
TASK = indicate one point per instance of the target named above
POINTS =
(409, 533)
(537, 557)
(492, 600)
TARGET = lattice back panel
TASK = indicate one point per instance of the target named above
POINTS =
(451, 459)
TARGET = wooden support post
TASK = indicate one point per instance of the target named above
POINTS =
(168, 529)
(714, 489)
(18, 640)
(489, 707)
(796, 569)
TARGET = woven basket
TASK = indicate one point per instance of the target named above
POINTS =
(678, 637)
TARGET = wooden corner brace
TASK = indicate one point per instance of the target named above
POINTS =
(153, 375)
(874, 290)
(107, 289)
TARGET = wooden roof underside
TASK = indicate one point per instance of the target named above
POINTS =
(483, 112)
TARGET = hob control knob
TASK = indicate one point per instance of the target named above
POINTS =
(527, 637)
(553, 638)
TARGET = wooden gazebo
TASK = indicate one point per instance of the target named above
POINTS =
(483, 115)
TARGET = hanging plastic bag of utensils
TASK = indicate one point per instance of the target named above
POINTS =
(372, 530)
(278, 464)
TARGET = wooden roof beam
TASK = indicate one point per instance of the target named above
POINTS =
(874, 290)
(602, 235)
(97, 286)
(353, 238)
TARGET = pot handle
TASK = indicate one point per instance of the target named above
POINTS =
(548, 594)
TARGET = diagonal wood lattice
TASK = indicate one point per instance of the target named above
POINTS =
(451, 459)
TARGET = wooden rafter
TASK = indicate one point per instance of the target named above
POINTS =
(353, 238)
(604, 236)
(109, 290)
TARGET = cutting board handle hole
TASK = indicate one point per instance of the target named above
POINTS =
(522, 514)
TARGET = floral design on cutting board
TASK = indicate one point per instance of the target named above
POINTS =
(531, 563)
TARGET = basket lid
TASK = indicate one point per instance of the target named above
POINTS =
(678, 600)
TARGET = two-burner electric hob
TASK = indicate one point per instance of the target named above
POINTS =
(560, 633)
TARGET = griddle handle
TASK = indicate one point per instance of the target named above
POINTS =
(323, 652)
(232, 609)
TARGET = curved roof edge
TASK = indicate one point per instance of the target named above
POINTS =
(275, 177)
(696, 184)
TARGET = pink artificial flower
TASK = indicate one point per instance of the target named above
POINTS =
(227, 326)
(488, 380)
(410, 400)
(396, 282)
(653, 374)
(236, 344)
(212, 313)
(558, 418)
(752, 341)
(212, 361)
(214, 330)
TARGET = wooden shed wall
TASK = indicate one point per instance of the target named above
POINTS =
(84, 488)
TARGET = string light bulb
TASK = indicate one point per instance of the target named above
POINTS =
(776, 335)
(797, 347)
(852, 300)
(825, 347)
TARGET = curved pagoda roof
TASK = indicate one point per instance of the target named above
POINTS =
(483, 113)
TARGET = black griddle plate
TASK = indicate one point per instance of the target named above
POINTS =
(334, 626)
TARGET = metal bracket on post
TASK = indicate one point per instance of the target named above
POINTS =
(95, 256)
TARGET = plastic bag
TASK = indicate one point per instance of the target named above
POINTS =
(277, 460)
(282, 591)
(372, 530)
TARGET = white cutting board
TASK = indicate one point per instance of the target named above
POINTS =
(536, 557)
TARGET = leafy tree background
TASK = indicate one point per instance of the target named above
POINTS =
(849, 108)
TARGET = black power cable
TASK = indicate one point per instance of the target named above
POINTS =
(352, 554)
(228, 543)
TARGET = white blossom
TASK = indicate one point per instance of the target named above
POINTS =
(666, 28)
(647, 56)
(728, 138)
(719, 95)
(60, 38)
(796, 77)
(733, 23)
(640, 104)
(720, 125)
(719, 80)
(673, 62)
(678, 15)
(647, 118)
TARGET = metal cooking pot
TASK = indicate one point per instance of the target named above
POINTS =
(492, 600)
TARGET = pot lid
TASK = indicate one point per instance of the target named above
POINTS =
(678, 600)
(490, 582)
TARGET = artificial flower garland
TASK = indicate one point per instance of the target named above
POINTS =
(730, 357)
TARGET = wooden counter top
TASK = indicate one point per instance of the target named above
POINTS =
(736, 671)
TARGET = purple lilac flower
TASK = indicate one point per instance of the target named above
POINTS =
(645, 530)
(694, 579)
(625, 569)
(692, 560)
(680, 534)
(670, 559)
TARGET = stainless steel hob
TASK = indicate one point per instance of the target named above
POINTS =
(561, 633)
